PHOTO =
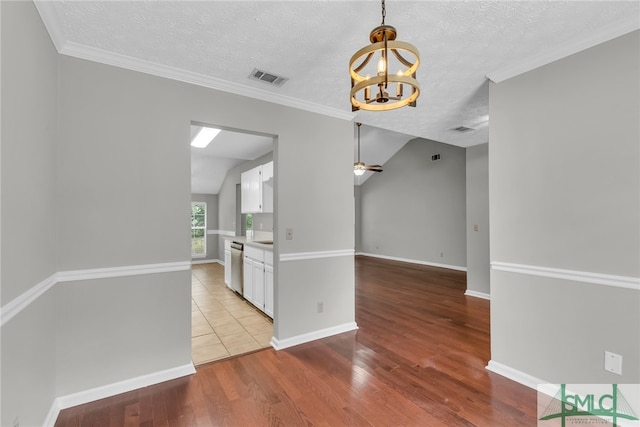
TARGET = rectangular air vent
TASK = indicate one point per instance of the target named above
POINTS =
(463, 129)
(267, 77)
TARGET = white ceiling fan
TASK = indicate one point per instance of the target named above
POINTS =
(359, 167)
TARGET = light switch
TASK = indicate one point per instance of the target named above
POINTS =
(289, 234)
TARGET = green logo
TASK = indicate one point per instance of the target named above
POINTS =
(582, 408)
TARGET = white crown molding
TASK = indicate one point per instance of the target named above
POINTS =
(15, 306)
(477, 294)
(515, 375)
(9, 310)
(312, 336)
(65, 47)
(102, 56)
(50, 20)
(297, 256)
(414, 261)
(109, 390)
(573, 275)
(632, 23)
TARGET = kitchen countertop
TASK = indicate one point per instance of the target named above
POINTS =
(251, 241)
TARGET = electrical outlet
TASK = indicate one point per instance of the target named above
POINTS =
(320, 307)
(475, 227)
(441, 254)
(612, 363)
(289, 234)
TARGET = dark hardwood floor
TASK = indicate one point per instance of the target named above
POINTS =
(418, 359)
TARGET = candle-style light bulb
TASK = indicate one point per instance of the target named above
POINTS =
(382, 65)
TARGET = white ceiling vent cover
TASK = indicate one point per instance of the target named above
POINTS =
(267, 77)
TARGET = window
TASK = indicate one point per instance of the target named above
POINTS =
(198, 229)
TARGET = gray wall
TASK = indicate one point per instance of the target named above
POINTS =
(28, 179)
(212, 224)
(478, 267)
(124, 182)
(124, 105)
(564, 193)
(415, 209)
(357, 196)
(114, 185)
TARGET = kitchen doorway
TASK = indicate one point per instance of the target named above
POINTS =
(224, 322)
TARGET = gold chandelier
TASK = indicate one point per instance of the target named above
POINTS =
(367, 80)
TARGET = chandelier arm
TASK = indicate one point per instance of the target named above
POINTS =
(364, 63)
(401, 58)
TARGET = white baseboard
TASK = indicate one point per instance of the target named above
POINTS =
(206, 261)
(312, 336)
(515, 375)
(477, 294)
(74, 399)
(414, 261)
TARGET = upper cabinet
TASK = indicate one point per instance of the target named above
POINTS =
(257, 189)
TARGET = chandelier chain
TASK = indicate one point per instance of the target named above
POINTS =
(384, 12)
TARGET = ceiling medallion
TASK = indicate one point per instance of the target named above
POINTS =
(367, 79)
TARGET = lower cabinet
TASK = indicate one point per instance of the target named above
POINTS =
(227, 268)
(258, 285)
(247, 274)
(258, 278)
(268, 290)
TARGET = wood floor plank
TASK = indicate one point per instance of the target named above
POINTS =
(417, 359)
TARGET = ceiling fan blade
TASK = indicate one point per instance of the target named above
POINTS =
(374, 168)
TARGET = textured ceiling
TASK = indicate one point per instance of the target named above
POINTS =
(310, 42)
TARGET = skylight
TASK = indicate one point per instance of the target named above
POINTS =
(204, 137)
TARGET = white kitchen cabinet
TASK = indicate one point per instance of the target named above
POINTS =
(267, 187)
(227, 268)
(251, 190)
(256, 187)
(258, 285)
(258, 278)
(268, 289)
(247, 285)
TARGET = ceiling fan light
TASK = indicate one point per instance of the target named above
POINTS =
(359, 168)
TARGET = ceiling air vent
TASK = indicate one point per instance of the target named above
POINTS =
(266, 77)
(463, 129)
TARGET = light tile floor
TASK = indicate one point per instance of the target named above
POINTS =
(222, 323)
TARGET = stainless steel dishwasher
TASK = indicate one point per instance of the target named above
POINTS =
(237, 254)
